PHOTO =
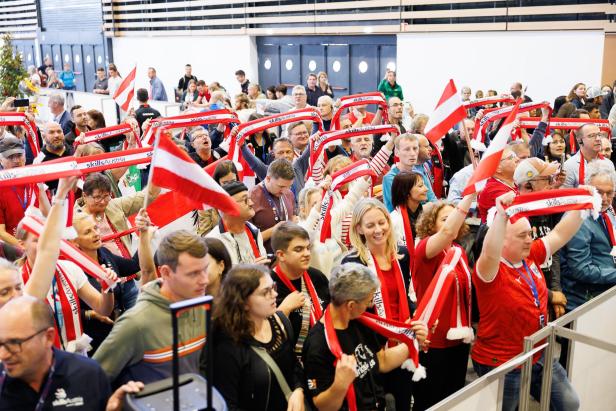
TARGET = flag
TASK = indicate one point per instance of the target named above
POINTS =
(490, 160)
(124, 94)
(172, 168)
(448, 112)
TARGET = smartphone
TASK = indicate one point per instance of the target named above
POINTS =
(21, 102)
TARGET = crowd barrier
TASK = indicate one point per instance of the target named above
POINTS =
(100, 102)
(591, 332)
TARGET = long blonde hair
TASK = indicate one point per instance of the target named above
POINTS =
(358, 241)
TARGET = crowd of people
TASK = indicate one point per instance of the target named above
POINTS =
(318, 278)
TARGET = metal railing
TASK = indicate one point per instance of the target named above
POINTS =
(486, 393)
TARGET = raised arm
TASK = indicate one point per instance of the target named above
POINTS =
(146, 256)
(443, 238)
(48, 247)
(487, 264)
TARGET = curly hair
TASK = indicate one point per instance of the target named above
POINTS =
(426, 223)
(230, 306)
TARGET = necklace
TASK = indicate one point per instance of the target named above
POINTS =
(99, 217)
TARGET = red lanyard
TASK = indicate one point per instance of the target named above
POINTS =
(316, 311)
(609, 228)
(118, 242)
(581, 171)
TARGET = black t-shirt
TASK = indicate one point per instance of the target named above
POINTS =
(321, 286)
(357, 340)
(78, 383)
(145, 112)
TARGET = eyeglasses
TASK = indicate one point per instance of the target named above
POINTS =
(13, 346)
(605, 193)
(298, 94)
(268, 291)
(99, 199)
(511, 156)
(396, 104)
(593, 136)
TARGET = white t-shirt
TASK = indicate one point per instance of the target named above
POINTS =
(113, 83)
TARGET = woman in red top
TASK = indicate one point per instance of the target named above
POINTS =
(440, 227)
(372, 237)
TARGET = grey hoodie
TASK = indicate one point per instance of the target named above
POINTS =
(139, 345)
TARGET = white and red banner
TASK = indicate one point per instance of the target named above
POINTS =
(35, 226)
(491, 159)
(19, 119)
(125, 92)
(566, 123)
(358, 100)
(448, 112)
(551, 202)
(173, 168)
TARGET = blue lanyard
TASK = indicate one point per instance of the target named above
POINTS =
(44, 392)
(530, 281)
(22, 201)
(278, 215)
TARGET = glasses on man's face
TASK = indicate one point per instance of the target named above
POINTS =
(244, 200)
(396, 105)
(605, 193)
(268, 291)
(511, 156)
(13, 345)
(593, 136)
(100, 198)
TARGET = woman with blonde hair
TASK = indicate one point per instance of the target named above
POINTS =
(374, 245)
(440, 227)
(323, 84)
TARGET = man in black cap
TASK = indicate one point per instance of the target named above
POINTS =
(242, 239)
(14, 199)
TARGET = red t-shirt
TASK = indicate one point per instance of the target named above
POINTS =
(391, 288)
(487, 198)
(424, 271)
(368, 117)
(507, 308)
(13, 204)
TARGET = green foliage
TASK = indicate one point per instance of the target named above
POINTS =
(11, 69)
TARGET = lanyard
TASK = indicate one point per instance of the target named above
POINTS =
(279, 215)
(46, 388)
(23, 202)
(530, 281)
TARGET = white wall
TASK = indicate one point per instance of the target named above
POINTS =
(549, 63)
(213, 58)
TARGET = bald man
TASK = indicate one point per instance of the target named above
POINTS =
(35, 370)
(55, 147)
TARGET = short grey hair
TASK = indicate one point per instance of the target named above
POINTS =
(417, 121)
(600, 168)
(351, 282)
(326, 99)
(194, 130)
(57, 98)
(6, 265)
(299, 87)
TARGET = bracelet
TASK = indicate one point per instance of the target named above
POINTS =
(59, 201)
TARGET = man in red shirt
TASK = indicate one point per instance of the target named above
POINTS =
(14, 199)
(513, 297)
(500, 183)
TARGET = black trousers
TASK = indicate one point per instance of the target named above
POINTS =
(446, 374)
(398, 383)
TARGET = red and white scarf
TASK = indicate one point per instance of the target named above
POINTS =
(441, 287)
(481, 125)
(382, 304)
(316, 311)
(20, 119)
(71, 166)
(34, 225)
(358, 100)
(551, 202)
(387, 328)
(610, 231)
(487, 101)
(63, 296)
(107, 132)
(349, 173)
(223, 116)
(317, 145)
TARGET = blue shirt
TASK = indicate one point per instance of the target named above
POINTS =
(68, 78)
(388, 180)
(586, 266)
(157, 91)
